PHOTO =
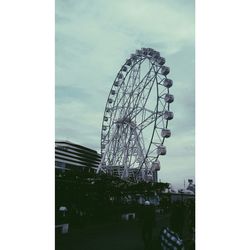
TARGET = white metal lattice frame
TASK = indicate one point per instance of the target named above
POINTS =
(136, 117)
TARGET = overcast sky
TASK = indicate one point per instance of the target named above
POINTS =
(93, 40)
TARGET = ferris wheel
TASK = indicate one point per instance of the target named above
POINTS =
(136, 115)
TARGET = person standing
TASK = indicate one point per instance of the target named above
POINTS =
(148, 221)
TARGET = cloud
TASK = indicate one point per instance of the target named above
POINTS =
(93, 40)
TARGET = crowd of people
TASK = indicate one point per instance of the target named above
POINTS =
(179, 230)
(103, 202)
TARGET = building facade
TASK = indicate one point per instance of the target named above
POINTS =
(69, 155)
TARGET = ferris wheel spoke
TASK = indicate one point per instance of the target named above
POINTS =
(119, 95)
(148, 121)
(130, 77)
(153, 150)
(158, 135)
(135, 108)
(147, 82)
(140, 91)
(141, 109)
(133, 97)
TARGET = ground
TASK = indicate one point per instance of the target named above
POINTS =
(124, 235)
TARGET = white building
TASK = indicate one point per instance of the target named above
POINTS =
(69, 155)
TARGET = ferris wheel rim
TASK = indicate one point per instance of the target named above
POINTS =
(140, 61)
